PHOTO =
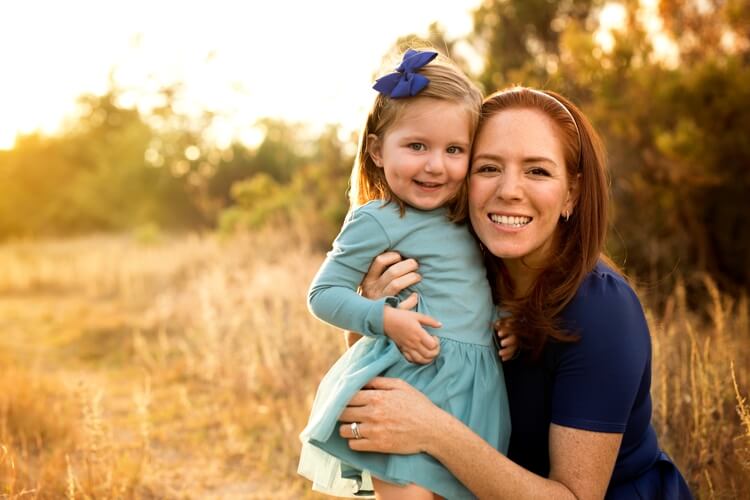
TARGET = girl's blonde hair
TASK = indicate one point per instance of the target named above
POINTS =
(447, 83)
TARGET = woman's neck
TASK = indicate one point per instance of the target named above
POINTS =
(522, 276)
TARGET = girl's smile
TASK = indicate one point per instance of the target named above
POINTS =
(425, 153)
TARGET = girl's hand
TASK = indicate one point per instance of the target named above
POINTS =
(388, 275)
(508, 343)
(405, 329)
(393, 417)
(407, 304)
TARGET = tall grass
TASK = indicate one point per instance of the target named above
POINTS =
(186, 369)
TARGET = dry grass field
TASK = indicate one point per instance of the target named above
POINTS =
(185, 368)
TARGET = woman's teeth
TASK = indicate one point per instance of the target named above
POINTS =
(512, 221)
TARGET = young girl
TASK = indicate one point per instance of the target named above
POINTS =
(409, 195)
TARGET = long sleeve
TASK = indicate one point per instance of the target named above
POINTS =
(333, 296)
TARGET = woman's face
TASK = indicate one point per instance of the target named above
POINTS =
(518, 185)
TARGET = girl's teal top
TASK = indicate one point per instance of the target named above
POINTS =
(465, 379)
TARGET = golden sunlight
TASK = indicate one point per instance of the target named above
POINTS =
(239, 60)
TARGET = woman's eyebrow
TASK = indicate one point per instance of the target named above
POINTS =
(488, 156)
(538, 159)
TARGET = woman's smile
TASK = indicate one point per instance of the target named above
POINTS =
(509, 222)
(518, 185)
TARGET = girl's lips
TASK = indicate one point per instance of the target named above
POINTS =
(428, 186)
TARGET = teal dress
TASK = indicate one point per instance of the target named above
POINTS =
(465, 379)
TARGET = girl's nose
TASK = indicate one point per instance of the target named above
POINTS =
(435, 163)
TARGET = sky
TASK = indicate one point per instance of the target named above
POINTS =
(297, 60)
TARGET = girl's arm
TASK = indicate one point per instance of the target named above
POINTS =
(393, 417)
(407, 305)
(387, 275)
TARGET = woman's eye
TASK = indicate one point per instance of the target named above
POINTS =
(417, 146)
(539, 171)
(486, 169)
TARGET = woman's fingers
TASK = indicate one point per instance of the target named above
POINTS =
(508, 346)
(393, 416)
(386, 384)
(381, 263)
(374, 283)
(354, 414)
(388, 275)
(394, 286)
(400, 268)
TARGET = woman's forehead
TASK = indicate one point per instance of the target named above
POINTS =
(518, 132)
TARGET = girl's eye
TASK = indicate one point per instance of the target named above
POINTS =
(454, 150)
(417, 146)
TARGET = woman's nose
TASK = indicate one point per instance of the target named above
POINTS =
(509, 186)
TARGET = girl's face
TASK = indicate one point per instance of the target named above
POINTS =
(425, 153)
(518, 186)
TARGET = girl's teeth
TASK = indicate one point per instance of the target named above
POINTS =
(513, 221)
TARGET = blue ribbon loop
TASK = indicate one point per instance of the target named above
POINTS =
(406, 82)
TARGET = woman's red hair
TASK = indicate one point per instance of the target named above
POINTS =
(579, 241)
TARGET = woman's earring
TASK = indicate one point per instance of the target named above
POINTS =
(567, 215)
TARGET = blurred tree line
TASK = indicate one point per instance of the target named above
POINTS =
(115, 169)
(677, 126)
(676, 123)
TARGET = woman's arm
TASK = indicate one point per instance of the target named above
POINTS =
(393, 417)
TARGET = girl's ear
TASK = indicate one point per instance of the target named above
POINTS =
(375, 150)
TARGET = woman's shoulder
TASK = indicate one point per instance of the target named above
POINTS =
(607, 304)
(610, 322)
(604, 285)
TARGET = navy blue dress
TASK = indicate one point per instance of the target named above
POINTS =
(600, 383)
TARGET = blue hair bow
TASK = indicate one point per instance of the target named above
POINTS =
(406, 82)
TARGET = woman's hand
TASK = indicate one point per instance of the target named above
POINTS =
(388, 275)
(508, 343)
(392, 417)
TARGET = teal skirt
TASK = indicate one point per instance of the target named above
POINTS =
(466, 380)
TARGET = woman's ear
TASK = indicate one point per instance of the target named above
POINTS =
(375, 150)
(573, 191)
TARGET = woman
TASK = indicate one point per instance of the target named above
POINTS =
(579, 393)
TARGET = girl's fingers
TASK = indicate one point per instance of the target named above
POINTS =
(432, 353)
(428, 321)
(428, 343)
(410, 302)
(416, 357)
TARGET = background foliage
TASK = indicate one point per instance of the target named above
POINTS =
(676, 126)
